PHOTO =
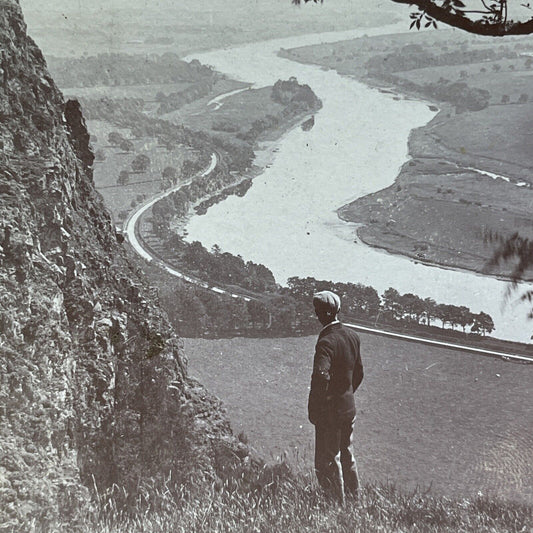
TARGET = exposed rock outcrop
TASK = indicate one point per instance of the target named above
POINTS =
(93, 385)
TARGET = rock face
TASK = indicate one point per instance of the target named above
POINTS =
(93, 387)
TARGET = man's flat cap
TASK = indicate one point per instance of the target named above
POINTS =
(327, 300)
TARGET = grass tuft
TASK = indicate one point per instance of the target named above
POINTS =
(275, 498)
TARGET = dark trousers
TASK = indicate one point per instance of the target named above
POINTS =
(335, 465)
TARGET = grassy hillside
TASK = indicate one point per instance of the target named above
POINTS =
(427, 417)
(276, 501)
(430, 423)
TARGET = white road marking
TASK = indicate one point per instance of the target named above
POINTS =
(453, 346)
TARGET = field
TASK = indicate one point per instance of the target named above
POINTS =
(446, 421)
(238, 110)
(119, 198)
(146, 92)
(144, 184)
(463, 207)
(228, 117)
(497, 139)
(512, 79)
(438, 205)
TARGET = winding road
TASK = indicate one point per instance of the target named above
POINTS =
(130, 226)
(217, 103)
(131, 230)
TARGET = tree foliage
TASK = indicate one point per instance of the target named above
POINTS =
(123, 177)
(483, 17)
(169, 173)
(482, 323)
(140, 163)
(127, 146)
(115, 138)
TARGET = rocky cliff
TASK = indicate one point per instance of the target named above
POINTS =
(93, 385)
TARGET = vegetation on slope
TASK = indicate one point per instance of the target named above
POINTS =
(447, 421)
(274, 310)
(125, 69)
(277, 500)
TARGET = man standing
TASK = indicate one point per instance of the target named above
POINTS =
(337, 372)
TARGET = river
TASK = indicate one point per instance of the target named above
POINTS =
(287, 220)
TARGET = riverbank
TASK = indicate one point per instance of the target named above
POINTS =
(317, 171)
(264, 148)
(175, 130)
(242, 123)
(441, 212)
(468, 177)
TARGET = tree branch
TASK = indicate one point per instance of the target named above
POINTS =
(480, 27)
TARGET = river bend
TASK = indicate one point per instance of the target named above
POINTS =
(287, 220)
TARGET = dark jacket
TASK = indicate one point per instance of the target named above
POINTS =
(337, 372)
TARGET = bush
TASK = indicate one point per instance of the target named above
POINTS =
(123, 177)
(140, 163)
